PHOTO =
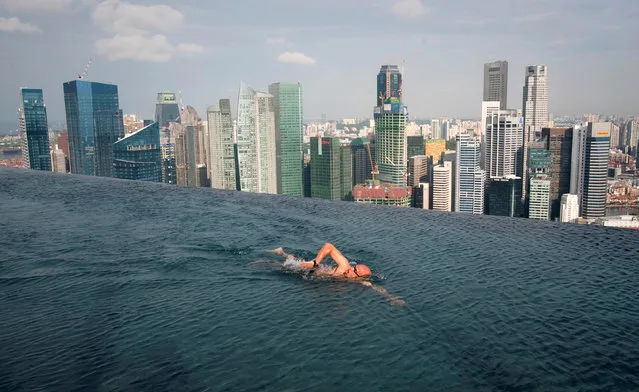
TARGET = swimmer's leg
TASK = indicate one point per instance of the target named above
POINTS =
(279, 251)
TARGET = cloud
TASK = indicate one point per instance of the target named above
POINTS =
(142, 47)
(410, 9)
(119, 16)
(36, 5)
(531, 18)
(135, 28)
(474, 22)
(14, 25)
(276, 41)
(295, 58)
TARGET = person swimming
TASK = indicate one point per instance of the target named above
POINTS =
(343, 269)
(358, 273)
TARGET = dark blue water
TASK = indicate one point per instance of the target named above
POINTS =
(107, 285)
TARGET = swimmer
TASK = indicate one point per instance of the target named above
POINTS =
(359, 272)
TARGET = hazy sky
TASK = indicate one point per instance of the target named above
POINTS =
(333, 47)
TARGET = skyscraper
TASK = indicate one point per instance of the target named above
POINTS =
(32, 122)
(256, 144)
(361, 160)
(535, 105)
(496, 83)
(94, 121)
(331, 169)
(632, 134)
(442, 187)
(221, 155)
(166, 109)
(415, 145)
(289, 126)
(569, 208)
(389, 84)
(539, 183)
(589, 172)
(504, 138)
(469, 179)
(137, 156)
(390, 140)
(417, 170)
(503, 196)
(560, 146)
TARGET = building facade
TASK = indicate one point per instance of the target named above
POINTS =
(94, 121)
(469, 177)
(331, 169)
(435, 148)
(417, 170)
(569, 208)
(256, 144)
(138, 156)
(504, 138)
(362, 157)
(221, 162)
(559, 143)
(34, 132)
(589, 168)
(503, 196)
(496, 83)
(389, 84)
(535, 101)
(539, 197)
(289, 127)
(442, 186)
(390, 142)
(415, 146)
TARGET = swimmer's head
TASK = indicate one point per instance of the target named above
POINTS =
(361, 271)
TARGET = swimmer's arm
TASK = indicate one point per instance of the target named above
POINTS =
(393, 299)
(309, 264)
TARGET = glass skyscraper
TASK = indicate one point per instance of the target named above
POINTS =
(32, 119)
(389, 84)
(95, 122)
(138, 155)
(289, 124)
(331, 169)
(166, 109)
(256, 146)
(221, 153)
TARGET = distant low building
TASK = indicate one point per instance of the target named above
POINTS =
(383, 194)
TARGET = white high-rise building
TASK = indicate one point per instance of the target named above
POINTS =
(539, 197)
(436, 129)
(469, 178)
(535, 105)
(487, 109)
(589, 167)
(442, 187)
(256, 141)
(221, 155)
(569, 208)
(496, 82)
(503, 144)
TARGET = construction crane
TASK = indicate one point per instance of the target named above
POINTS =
(374, 168)
(86, 70)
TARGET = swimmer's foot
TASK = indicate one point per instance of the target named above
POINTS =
(278, 251)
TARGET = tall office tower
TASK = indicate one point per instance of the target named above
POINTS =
(415, 145)
(361, 160)
(488, 108)
(504, 138)
(58, 160)
(186, 156)
(34, 133)
(307, 175)
(442, 184)
(417, 170)
(95, 122)
(436, 129)
(390, 139)
(421, 196)
(166, 109)
(389, 84)
(469, 178)
(535, 105)
(503, 196)
(435, 148)
(632, 134)
(138, 156)
(569, 208)
(221, 163)
(289, 126)
(445, 130)
(539, 190)
(588, 179)
(331, 168)
(614, 135)
(559, 143)
(256, 144)
(496, 82)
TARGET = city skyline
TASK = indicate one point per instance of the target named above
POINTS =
(131, 47)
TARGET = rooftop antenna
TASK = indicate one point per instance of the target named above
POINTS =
(84, 74)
